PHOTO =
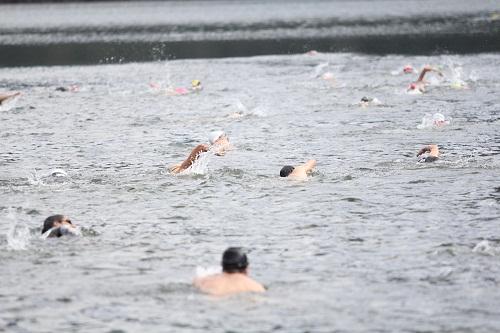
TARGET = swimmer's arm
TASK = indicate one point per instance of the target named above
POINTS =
(432, 149)
(193, 156)
(309, 165)
(423, 150)
(426, 69)
(7, 96)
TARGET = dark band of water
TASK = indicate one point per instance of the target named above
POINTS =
(114, 52)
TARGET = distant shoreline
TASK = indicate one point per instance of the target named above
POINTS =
(125, 52)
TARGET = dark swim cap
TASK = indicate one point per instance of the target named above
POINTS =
(50, 221)
(286, 170)
(234, 260)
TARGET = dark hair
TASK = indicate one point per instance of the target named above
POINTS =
(286, 170)
(49, 222)
(234, 260)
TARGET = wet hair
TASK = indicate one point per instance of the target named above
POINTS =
(49, 222)
(366, 99)
(234, 260)
(286, 170)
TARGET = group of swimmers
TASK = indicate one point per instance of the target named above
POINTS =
(234, 276)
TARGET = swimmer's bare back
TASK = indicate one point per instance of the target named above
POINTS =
(193, 156)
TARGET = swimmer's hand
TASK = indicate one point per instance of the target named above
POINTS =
(175, 168)
(310, 165)
(429, 68)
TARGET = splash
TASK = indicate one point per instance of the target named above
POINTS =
(18, 235)
(437, 120)
(202, 272)
(319, 69)
(62, 231)
(456, 78)
(484, 247)
(200, 166)
(244, 111)
(54, 177)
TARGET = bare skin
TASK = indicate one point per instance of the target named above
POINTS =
(220, 147)
(5, 97)
(421, 83)
(433, 151)
(193, 156)
(224, 284)
(433, 155)
(66, 223)
(300, 172)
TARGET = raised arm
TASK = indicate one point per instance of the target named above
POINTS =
(193, 156)
(426, 69)
(309, 165)
(432, 149)
(3, 97)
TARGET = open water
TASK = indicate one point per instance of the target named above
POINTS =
(372, 242)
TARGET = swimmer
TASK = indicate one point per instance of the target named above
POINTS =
(408, 69)
(219, 144)
(433, 155)
(57, 226)
(299, 172)
(195, 87)
(367, 101)
(72, 88)
(4, 98)
(419, 85)
(234, 277)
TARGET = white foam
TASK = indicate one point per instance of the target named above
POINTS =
(318, 70)
(436, 120)
(200, 166)
(206, 271)
(484, 247)
(18, 235)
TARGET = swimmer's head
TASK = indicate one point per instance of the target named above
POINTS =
(234, 260)
(195, 83)
(216, 135)
(365, 99)
(286, 170)
(55, 221)
(408, 69)
(412, 86)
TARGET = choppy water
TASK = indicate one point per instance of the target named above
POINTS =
(91, 33)
(373, 241)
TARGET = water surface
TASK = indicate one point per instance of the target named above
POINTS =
(373, 241)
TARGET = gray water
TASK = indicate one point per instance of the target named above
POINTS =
(142, 31)
(372, 242)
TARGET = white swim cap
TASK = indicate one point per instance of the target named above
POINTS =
(438, 117)
(215, 135)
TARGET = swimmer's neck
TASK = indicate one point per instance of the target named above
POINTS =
(235, 274)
